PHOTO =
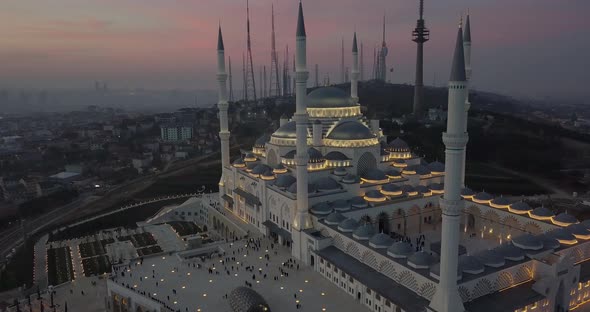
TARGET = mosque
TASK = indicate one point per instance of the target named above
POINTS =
(388, 228)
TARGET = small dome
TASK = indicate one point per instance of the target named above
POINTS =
(410, 170)
(327, 184)
(564, 219)
(358, 202)
(483, 196)
(246, 299)
(390, 189)
(422, 170)
(579, 230)
(261, 141)
(435, 271)
(374, 174)
(290, 154)
(239, 162)
(261, 168)
(284, 181)
(510, 252)
(364, 232)
(520, 207)
(422, 189)
(279, 168)
(268, 175)
(350, 179)
(315, 156)
(334, 218)
(335, 155)
(528, 242)
(384, 152)
(400, 250)
(436, 166)
(348, 225)
(341, 205)
(420, 260)
(380, 240)
(250, 166)
(250, 157)
(549, 242)
(586, 223)
(350, 130)
(407, 188)
(394, 174)
(490, 258)
(399, 162)
(542, 212)
(310, 188)
(470, 264)
(374, 195)
(467, 192)
(438, 187)
(562, 235)
(287, 131)
(321, 209)
(398, 146)
(501, 201)
(328, 97)
(340, 172)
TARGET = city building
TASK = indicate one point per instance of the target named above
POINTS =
(176, 132)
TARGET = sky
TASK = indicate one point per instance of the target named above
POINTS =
(531, 48)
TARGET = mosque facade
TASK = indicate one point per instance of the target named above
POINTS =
(390, 229)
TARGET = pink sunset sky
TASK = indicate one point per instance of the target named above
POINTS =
(522, 47)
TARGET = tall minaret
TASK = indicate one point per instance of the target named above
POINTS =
(467, 50)
(446, 298)
(420, 35)
(354, 74)
(302, 220)
(222, 103)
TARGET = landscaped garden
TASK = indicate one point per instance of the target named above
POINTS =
(59, 266)
(184, 228)
(146, 251)
(140, 240)
(96, 265)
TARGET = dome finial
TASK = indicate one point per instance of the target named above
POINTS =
(220, 39)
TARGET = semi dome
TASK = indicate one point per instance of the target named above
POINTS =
(380, 240)
(341, 205)
(358, 202)
(350, 179)
(340, 172)
(528, 242)
(315, 156)
(398, 146)
(420, 260)
(510, 252)
(364, 232)
(490, 258)
(321, 209)
(348, 225)
(400, 250)
(327, 97)
(287, 131)
(284, 181)
(245, 299)
(470, 264)
(436, 167)
(311, 188)
(520, 207)
(334, 218)
(335, 155)
(327, 184)
(564, 219)
(260, 169)
(350, 130)
(374, 175)
(290, 154)
(261, 141)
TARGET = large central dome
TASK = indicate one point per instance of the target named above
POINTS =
(328, 97)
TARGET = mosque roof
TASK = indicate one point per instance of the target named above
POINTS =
(421, 170)
(491, 258)
(542, 212)
(422, 189)
(586, 223)
(261, 141)
(348, 225)
(528, 242)
(374, 174)
(400, 250)
(467, 192)
(238, 161)
(565, 218)
(561, 235)
(315, 155)
(290, 154)
(470, 264)
(483, 196)
(510, 252)
(341, 205)
(261, 168)
(393, 173)
(436, 166)
(578, 229)
(398, 145)
(350, 179)
(287, 131)
(391, 188)
(548, 241)
(329, 97)
(358, 202)
(380, 240)
(407, 188)
(350, 130)
(420, 260)
(501, 201)
(334, 218)
(340, 171)
(335, 155)
(327, 184)
(436, 186)
(285, 181)
(311, 188)
(520, 206)
(374, 194)
(364, 232)
(322, 208)
(268, 174)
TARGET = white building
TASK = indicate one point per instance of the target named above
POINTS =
(176, 132)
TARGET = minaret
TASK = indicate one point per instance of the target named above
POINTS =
(354, 74)
(420, 35)
(446, 297)
(231, 88)
(274, 85)
(250, 80)
(467, 50)
(302, 220)
(222, 102)
(342, 71)
(362, 65)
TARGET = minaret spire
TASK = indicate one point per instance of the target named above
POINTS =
(302, 219)
(274, 85)
(446, 297)
(420, 35)
(250, 91)
(355, 70)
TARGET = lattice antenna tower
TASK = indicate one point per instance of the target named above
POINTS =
(274, 84)
(250, 78)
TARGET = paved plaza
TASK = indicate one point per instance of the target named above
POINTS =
(183, 286)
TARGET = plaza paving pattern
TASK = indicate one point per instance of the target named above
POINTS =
(183, 286)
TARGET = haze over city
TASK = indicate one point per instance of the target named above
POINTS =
(166, 44)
